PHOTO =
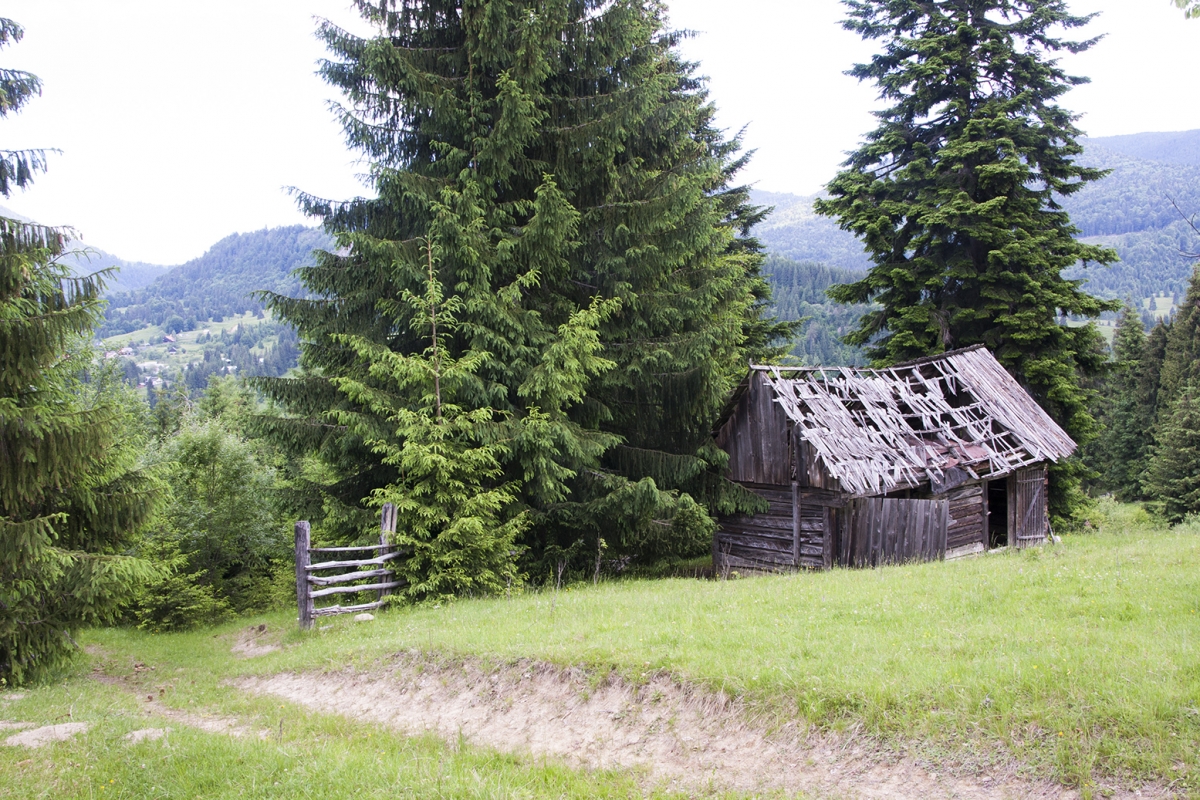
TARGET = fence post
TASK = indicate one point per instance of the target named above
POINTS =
(303, 590)
(387, 525)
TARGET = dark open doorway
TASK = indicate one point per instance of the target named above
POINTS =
(997, 505)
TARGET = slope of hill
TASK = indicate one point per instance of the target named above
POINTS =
(219, 283)
(126, 276)
(1172, 147)
(794, 231)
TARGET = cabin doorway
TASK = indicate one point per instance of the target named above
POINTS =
(997, 506)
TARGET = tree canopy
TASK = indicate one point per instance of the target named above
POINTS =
(556, 164)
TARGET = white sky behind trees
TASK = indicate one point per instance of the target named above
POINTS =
(181, 123)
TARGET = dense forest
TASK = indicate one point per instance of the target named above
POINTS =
(798, 293)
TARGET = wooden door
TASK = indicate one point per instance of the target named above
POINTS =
(1028, 513)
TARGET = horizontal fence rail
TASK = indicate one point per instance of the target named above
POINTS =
(346, 582)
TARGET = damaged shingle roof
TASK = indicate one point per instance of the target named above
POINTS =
(943, 420)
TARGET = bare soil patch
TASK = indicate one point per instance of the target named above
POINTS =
(46, 734)
(209, 723)
(145, 734)
(257, 640)
(141, 681)
(682, 737)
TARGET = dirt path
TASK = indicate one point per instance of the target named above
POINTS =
(683, 738)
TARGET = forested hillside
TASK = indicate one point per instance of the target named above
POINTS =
(219, 283)
(1139, 211)
(799, 293)
(1172, 147)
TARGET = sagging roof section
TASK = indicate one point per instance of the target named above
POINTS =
(941, 420)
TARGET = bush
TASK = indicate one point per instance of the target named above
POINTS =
(179, 600)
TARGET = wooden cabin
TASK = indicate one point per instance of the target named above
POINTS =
(932, 459)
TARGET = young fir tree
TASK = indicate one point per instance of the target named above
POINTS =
(453, 513)
(1173, 476)
(955, 196)
(1126, 413)
(69, 498)
(559, 155)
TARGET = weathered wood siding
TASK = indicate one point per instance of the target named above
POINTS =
(756, 438)
(792, 533)
(1028, 514)
(968, 516)
(886, 530)
(810, 471)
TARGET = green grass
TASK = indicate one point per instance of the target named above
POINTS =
(1081, 659)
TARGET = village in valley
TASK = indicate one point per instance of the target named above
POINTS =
(533, 441)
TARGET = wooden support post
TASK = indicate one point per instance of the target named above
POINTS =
(387, 526)
(795, 524)
(303, 593)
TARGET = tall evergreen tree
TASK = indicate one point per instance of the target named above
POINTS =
(69, 498)
(556, 155)
(1126, 413)
(955, 196)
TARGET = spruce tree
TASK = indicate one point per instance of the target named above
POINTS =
(1173, 476)
(1126, 413)
(956, 196)
(69, 497)
(561, 161)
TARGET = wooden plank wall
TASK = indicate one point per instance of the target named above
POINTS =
(1028, 514)
(886, 530)
(968, 516)
(789, 535)
(756, 438)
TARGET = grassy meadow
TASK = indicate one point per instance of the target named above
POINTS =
(1080, 659)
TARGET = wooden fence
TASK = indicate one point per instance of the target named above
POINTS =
(346, 582)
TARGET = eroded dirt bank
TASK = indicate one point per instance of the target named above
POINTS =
(682, 737)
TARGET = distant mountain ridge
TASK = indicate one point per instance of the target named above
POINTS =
(1137, 210)
(1170, 147)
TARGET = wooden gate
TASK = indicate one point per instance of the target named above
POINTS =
(1028, 515)
(884, 530)
(373, 568)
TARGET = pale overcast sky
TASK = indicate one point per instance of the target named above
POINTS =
(182, 122)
